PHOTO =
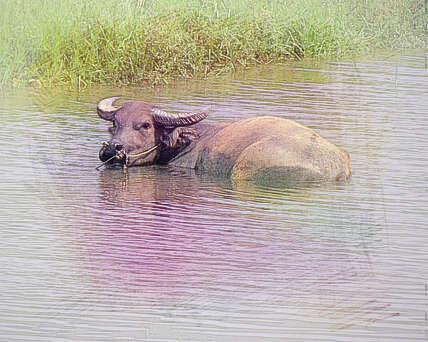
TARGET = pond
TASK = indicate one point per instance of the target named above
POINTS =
(162, 254)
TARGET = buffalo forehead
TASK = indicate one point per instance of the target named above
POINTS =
(133, 111)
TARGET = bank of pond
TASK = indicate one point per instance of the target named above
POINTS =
(81, 43)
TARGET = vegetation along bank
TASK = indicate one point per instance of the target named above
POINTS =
(81, 42)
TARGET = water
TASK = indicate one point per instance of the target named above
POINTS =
(161, 254)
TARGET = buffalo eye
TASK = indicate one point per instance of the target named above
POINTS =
(144, 125)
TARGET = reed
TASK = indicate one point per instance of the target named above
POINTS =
(79, 43)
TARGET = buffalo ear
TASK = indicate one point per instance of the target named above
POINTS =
(178, 137)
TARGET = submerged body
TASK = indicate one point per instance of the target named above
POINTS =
(259, 149)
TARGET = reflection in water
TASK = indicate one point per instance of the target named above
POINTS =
(163, 254)
(185, 248)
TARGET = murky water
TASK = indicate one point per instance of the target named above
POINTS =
(161, 254)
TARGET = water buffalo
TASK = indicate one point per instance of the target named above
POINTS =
(262, 148)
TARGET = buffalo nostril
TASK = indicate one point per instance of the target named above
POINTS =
(118, 147)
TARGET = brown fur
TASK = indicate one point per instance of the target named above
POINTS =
(260, 148)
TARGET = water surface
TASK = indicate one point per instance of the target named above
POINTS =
(161, 254)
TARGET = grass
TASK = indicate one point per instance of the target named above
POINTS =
(83, 42)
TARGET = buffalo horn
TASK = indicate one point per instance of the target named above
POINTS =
(105, 108)
(177, 119)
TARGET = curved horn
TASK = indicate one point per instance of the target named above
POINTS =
(105, 108)
(177, 119)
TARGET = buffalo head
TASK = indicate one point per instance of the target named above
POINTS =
(142, 134)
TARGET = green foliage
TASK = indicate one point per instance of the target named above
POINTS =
(82, 42)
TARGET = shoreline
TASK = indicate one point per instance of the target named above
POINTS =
(139, 43)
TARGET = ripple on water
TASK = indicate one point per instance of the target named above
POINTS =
(161, 254)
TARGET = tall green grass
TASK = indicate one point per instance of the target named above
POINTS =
(83, 42)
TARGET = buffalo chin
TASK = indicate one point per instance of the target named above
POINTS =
(139, 162)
